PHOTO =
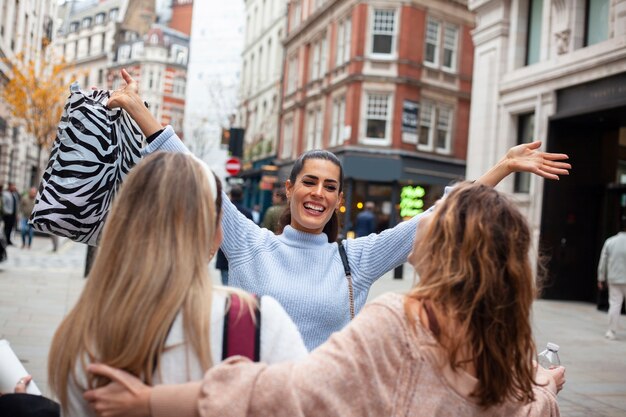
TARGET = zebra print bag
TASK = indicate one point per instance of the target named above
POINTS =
(94, 149)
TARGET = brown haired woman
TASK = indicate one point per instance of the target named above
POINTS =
(302, 267)
(149, 306)
(458, 344)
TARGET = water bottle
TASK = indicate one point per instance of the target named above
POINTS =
(549, 358)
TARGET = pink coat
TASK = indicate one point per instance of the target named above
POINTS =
(377, 366)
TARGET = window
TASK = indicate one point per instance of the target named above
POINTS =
(314, 129)
(318, 58)
(100, 77)
(113, 13)
(178, 86)
(292, 78)
(344, 32)
(99, 18)
(296, 14)
(525, 133)
(383, 32)
(597, 22)
(432, 42)
(378, 116)
(287, 138)
(338, 121)
(533, 40)
(437, 53)
(86, 22)
(435, 130)
(74, 26)
(123, 53)
(179, 54)
(268, 68)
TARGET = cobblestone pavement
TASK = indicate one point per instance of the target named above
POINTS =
(37, 288)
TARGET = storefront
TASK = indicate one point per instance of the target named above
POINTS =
(580, 211)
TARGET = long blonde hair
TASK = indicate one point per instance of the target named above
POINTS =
(474, 268)
(152, 264)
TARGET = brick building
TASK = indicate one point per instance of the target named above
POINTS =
(158, 62)
(386, 86)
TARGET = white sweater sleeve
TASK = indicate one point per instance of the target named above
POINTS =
(280, 338)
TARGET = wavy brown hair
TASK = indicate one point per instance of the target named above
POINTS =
(151, 265)
(474, 268)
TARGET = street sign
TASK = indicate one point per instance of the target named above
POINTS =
(233, 165)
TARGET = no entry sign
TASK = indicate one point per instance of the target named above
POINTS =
(233, 165)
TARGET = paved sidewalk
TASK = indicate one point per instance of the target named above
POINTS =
(38, 287)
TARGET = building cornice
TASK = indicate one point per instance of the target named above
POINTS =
(574, 64)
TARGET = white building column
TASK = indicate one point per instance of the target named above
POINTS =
(491, 40)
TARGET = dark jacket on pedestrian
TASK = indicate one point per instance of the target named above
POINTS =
(365, 223)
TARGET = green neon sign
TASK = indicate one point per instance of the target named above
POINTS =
(411, 200)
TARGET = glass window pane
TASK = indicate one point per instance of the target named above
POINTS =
(597, 22)
(534, 31)
(430, 53)
(382, 44)
(424, 135)
(525, 132)
(384, 21)
(377, 106)
(376, 128)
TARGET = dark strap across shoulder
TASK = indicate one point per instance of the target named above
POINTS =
(346, 268)
(242, 331)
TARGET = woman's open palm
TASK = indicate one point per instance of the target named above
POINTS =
(528, 158)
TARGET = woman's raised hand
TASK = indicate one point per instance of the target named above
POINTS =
(528, 158)
(127, 96)
(125, 395)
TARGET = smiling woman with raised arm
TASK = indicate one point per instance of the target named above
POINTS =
(458, 344)
(302, 267)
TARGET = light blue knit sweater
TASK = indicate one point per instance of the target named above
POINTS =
(301, 270)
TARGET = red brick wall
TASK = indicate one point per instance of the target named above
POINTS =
(181, 18)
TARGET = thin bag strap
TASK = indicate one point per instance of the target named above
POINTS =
(346, 268)
(242, 331)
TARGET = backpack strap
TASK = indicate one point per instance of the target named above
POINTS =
(242, 331)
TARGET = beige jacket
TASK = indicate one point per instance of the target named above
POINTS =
(377, 366)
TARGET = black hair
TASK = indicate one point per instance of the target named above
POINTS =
(332, 227)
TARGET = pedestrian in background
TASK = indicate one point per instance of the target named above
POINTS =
(272, 215)
(10, 208)
(26, 208)
(256, 214)
(365, 223)
(221, 262)
(149, 305)
(458, 344)
(612, 271)
(302, 267)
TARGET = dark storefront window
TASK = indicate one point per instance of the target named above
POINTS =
(525, 130)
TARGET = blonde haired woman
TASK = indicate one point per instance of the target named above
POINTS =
(148, 306)
(458, 344)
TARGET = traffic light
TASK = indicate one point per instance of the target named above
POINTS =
(225, 136)
(235, 143)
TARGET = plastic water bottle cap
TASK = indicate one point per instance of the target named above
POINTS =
(553, 346)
